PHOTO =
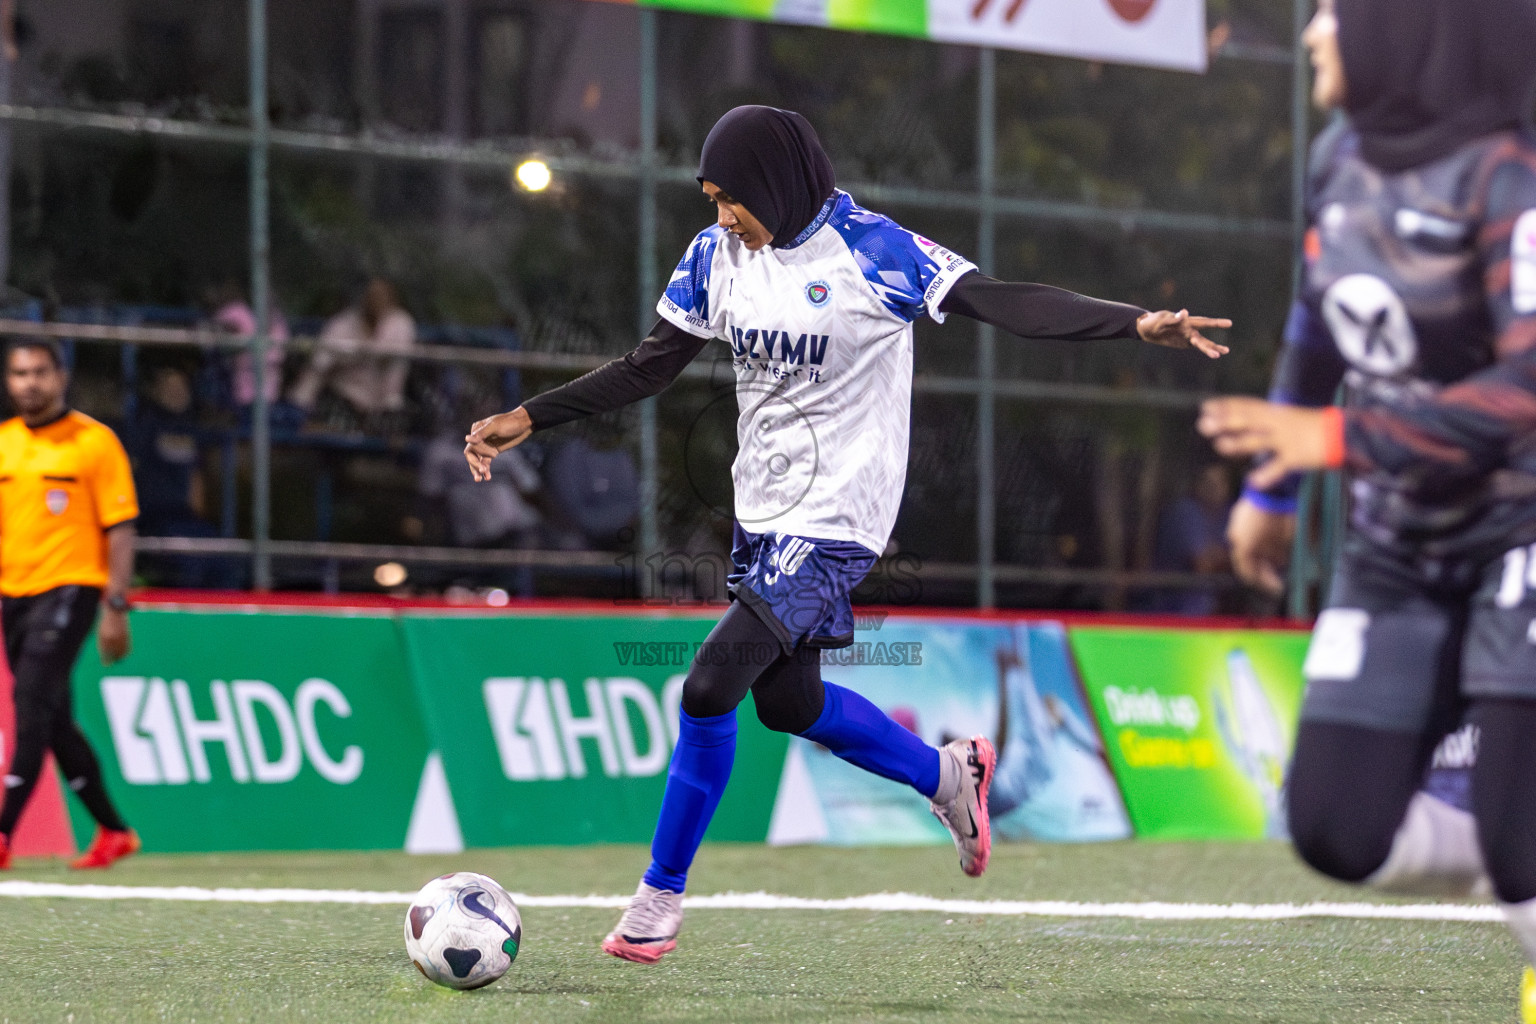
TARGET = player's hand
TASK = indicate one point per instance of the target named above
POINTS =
(112, 636)
(1261, 545)
(1180, 330)
(492, 436)
(1295, 437)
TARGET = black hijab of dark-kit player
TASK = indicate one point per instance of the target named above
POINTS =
(1423, 77)
(771, 162)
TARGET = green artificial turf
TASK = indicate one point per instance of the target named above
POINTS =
(139, 960)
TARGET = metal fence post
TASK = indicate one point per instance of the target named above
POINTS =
(1300, 95)
(1305, 568)
(646, 286)
(261, 441)
(986, 334)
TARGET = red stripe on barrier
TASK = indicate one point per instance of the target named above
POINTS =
(589, 606)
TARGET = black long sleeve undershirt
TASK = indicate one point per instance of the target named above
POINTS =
(644, 371)
(1039, 310)
(1027, 310)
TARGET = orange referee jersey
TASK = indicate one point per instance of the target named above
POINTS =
(62, 486)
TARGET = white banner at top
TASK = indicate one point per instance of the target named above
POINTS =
(1161, 33)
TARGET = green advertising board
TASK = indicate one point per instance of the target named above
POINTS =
(265, 730)
(239, 731)
(558, 729)
(1198, 725)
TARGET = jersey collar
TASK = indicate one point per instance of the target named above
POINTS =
(46, 423)
(815, 225)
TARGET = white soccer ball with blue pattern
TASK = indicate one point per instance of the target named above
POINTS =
(463, 930)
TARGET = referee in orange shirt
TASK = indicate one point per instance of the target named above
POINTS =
(67, 511)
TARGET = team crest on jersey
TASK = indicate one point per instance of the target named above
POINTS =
(817, 293)
(57, 501)
(1370, 325)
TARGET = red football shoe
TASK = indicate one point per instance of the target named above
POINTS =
(5, 852)
(107, 848)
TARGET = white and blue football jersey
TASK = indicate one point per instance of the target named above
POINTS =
(821, 340)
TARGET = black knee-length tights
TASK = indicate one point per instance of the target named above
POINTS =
(1350, 786)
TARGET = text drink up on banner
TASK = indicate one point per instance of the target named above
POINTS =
(1199, 725)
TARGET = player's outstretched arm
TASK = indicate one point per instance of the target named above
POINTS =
(643, 372)
(1459, 435)
(1041, 311)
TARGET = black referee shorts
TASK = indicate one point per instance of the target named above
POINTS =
(43, 636)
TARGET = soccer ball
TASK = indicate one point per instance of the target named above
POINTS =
(463, 930)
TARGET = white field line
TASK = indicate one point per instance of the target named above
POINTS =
(890, 902)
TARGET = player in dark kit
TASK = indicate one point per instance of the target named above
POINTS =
(67, 508)
(1420, 297)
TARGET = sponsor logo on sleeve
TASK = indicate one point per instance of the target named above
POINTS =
(947, 261)
(688, 317)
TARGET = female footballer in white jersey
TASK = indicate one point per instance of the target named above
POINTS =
(815, 297)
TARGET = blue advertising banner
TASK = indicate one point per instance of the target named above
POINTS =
(942, 679)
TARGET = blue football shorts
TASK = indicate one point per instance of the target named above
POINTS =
(801, 587)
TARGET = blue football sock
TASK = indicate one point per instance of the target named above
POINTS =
(701, 766)
(860, 733)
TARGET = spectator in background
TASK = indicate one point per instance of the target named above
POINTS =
(1191, 537)
(597, 490)
(359, 358)
(165, 449)
(232, 314)
(163, 446)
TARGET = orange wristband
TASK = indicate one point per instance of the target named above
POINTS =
(1333, 437)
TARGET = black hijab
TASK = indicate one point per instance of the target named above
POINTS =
(771, 162)
(1425, 76)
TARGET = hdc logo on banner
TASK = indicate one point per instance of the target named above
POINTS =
(538, 736)
(159, 738)
(259, 731)
(547, 737)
